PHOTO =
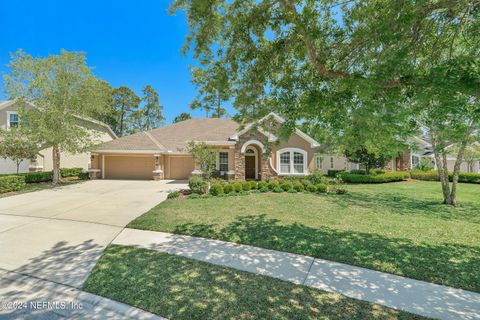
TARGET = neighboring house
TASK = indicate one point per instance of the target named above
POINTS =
(242, 153)
(9, 118)
(422, 149)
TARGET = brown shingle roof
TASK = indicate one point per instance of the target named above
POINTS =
(175, 137)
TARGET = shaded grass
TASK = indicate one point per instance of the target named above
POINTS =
(399, 228)
(181, 288)
(38, 186)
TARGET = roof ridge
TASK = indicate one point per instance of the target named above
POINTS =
(158, 144)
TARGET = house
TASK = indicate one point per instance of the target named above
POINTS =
(9, 118)
(243, 153)
(422, 149)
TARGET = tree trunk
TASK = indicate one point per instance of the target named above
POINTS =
(56, 165)
(456, 167)
(441, 166)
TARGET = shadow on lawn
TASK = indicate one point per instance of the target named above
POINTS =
(447, 264)
(406, 205)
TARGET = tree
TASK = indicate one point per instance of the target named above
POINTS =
(63, 89)
(204, 156)
(16, 146)
(182, 117)
(471, 154)
(367, 158)
(149, 116)
(312, 60)
(124, 102)
(213, 90)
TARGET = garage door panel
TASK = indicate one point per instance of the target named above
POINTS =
(181, 167)
(129, 167)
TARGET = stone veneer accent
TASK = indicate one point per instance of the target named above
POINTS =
(264, 171)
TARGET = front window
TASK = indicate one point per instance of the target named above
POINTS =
(223, 161)
(331, 163)
(13, 120)
(415, 161)
(292, 161)
(319, 162)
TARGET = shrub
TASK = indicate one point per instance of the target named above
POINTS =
(298, 187)
(321, 188)
(198, 185)
(246, 186)
(71, 172)
(424, 175)
(316, 177)
(311, 188)
(273, 184)
(292, 190)
(35, 177)
(83, 176)
(264, 189)
(277, 190)
(228, 188)
(286, 185)
(377, 171)
(216, 189)
(379, 178)
(341, 191)
(425, 165)
(237, 187)
(173, 195)
(11, 183)
(244, 193)
(194, 196)
(253, 185)
(358, 171)
(262, 184)
(255, 191)
(463, 177)
(333, 173)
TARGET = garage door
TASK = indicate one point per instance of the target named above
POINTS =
(180, 167)
(129, 167)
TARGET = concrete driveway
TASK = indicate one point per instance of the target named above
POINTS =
(59, 234)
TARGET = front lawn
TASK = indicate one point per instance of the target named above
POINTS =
(400, 228)
(181, 288)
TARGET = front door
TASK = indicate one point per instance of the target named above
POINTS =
(249, 167)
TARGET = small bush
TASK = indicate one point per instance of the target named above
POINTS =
(378, 178)
(311, 188)
(198, 185)
(216, 189)
(298, 187)
(378, 171)
(35, 177)
(333, 173)
(246, 186)
(305, 182)
(292, 191)
(273, 184)
(253, 185)
(237, 187)
(173, 195)
(316, 177)
(228, 188)
(341, 191)
(321, 188)
(277, 190)
(262, 184)
(194, 196)
(71, 172)
(264, 189)
(83, 176)
(286, 185)
(11, 183)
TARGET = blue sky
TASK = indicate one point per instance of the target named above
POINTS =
(130, 43)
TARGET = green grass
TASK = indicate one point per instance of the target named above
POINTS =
(32, 187)
(181, 288)
(400, 228)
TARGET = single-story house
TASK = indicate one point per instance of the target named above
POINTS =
(43, 162)
(243, 153)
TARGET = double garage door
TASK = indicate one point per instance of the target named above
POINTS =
(141, 167)
(129, 167)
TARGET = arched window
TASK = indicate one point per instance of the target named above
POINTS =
(292, 161)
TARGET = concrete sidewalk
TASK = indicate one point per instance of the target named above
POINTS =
(26, 297)
(397, 292)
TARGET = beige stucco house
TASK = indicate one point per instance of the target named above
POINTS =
(9, 118)
(243, 153)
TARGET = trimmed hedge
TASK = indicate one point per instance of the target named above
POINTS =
(11, 183)
(377, 178)
(333, 173)
(463, 177)
(47, 176)
(216, 189)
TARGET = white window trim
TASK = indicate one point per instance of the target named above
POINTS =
(317, 157)
(8, 118)
(291, 173)
(218, 159)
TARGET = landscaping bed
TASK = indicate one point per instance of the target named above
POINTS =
(180, 288)
(400, 228)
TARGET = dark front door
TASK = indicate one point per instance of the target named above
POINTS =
(249, 167)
